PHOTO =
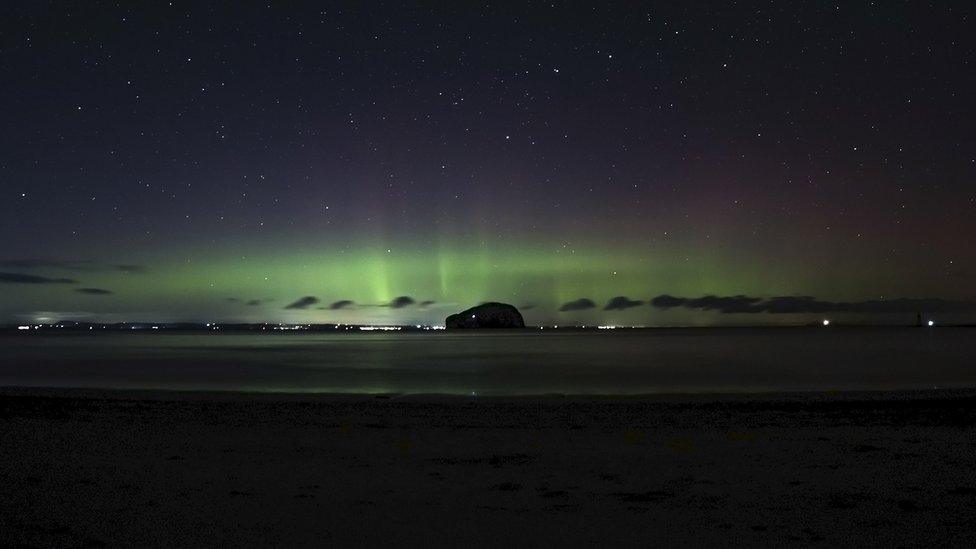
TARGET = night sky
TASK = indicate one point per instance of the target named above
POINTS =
(365, 162)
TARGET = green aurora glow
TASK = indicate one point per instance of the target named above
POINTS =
(537, 278)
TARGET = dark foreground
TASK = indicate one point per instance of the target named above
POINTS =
(86, 468)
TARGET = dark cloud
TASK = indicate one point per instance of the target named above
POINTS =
(18, 278)
(303, 303)
(44, 264)
(427, 303)
(93, 291)
(249, 302)
(527, 307)
(884, 306)
(620, 303)
(727, 304)
(578, 305)
(667, 302)
(69, 265)
(402, 301)
(341, 304)
(807, 304)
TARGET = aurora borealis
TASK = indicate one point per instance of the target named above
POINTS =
(177, 161)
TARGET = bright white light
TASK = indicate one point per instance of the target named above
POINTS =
(826, 322)
(931, 323)
(23, 327)
(283, 327)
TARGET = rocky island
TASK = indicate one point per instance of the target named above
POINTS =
(487, 315)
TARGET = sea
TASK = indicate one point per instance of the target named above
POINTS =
(612, 362)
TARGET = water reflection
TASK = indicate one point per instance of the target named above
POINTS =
(610, 362)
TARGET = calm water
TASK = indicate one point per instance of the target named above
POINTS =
(624, 362)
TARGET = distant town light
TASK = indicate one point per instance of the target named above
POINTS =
(931, 323)
(23, 327)
(826, 322)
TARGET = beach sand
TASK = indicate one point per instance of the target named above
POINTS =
(99, 468)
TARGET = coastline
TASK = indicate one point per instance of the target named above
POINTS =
(689, 397)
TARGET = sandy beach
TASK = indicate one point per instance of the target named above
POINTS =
(87, 468)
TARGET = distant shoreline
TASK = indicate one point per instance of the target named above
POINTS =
(813, 396)
(296, 329)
